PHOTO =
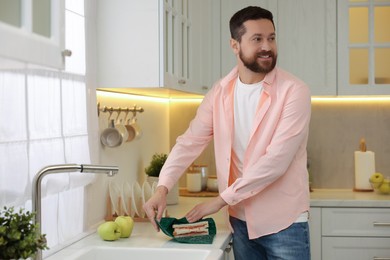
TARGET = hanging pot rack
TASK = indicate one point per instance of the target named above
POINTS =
(105, 109)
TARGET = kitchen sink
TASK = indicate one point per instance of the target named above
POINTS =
(122, 253)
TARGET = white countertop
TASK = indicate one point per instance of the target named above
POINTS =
(145, 236)
(348, 198)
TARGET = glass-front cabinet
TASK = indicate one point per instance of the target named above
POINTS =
(364, 47)
(33, 31)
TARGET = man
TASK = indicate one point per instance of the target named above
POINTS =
(258, 116)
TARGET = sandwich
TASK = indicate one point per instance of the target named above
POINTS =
(200, 228)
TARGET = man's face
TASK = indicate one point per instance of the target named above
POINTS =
(257, 49)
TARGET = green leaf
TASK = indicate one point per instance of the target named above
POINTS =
(19, 236)
(156, 164)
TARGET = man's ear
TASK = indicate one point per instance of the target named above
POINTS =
(234, 45)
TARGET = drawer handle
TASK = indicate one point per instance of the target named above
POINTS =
(381, 224)
(381, 258)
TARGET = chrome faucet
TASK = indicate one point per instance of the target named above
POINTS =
(61, 168)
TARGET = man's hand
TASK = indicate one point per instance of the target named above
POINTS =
(156, 205)
(205, 208)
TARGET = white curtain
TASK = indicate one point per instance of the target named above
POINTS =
(49, 117)
(44, 122)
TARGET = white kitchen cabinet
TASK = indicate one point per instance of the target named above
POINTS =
(355, 233)
(200, 38)
(315, 233)
(307, 45)
(33, 32)
(363, 47)
(150, 43)
(356, 248)
(306, 38)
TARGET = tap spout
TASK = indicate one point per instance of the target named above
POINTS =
(61, 168)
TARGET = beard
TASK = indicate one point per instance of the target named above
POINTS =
(252, 64)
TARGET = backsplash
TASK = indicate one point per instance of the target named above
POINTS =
(162, 121)
(336, 127)
(335, 131)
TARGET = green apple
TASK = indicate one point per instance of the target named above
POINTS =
(109, 231)
(126, 224)
(385, 187)
(376, 179)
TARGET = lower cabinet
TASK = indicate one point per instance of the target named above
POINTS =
(356, 248)
(315, 233)
(350, 233)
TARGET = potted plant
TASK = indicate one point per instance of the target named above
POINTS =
(153, 172)
(19, 237)
(157, 162)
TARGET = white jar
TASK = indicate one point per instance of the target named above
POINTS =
(212, 183)
(194, 181)
(203, 169)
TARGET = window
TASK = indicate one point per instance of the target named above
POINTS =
(32, 31)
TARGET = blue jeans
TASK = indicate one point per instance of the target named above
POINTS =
(292, 243)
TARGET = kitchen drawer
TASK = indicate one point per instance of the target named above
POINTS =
(367, 222)
(356, 248)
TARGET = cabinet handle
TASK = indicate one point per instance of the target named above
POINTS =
(381, 224)
(229, 247)
(381, 258)
(182, 81)
(66, 53)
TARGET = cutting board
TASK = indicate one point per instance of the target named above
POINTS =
(185, 193)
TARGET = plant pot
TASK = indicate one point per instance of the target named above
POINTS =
(173, 195)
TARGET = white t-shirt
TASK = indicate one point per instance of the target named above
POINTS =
(246, 100)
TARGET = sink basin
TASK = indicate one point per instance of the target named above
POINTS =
(119, 253)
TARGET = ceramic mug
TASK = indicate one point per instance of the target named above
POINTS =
(212, 184)
(111, 136)
(194, 181)
(133, 129)
(122, 129)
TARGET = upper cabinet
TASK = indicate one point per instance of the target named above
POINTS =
(306, 38)
(33, 31)
(152, 43)
(307, 45)
(363, 47)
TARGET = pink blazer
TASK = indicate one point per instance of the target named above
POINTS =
(274, 185)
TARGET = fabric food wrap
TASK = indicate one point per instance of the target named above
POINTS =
(166, 224)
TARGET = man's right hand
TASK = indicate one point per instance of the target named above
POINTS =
(156, 205)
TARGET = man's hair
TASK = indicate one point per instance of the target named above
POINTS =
(236, 24)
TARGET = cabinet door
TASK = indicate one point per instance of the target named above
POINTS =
(176, 27)
(306, 37)
(33, 31)
(129, 44)
(367, 222)
(363, 47)
(315, 233)
(356, 248)
(199, 46)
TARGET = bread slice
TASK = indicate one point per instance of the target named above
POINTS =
(200, 228)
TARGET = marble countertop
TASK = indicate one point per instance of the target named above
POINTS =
(145, 236)
(348, 198)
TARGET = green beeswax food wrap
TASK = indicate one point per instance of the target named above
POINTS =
(166, 224)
